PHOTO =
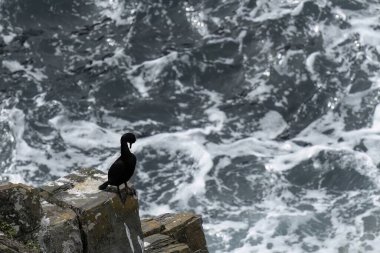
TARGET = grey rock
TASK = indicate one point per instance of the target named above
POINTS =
(151, 226)
(108, 225)
(185, 228)
(59, 230)
(157, 243)
(20, 208)
(174, 229)
(8, 245)
(71, 215)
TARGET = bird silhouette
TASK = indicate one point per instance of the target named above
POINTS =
(124, 166)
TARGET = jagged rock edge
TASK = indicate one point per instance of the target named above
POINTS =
(49, 197)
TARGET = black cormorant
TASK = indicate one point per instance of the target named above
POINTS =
(124, 167)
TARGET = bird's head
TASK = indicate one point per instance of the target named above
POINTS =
(128, 138)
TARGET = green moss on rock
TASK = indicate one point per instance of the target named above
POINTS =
(33, 246)
(7, 229)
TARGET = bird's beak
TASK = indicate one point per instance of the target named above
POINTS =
(130, 145)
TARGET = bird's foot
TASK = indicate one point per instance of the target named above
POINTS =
(123, 197)
(130, 190)
(123, 200)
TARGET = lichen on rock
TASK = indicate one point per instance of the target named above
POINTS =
(7, 229)
(20, 210)
(70, 215)
(59, 230)
(101, 214)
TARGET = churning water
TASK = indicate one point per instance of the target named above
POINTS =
(260, 115)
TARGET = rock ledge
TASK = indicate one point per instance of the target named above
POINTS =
(71, 215)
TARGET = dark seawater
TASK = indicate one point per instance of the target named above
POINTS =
(260, 115)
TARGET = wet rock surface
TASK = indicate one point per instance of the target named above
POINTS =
(8, 245)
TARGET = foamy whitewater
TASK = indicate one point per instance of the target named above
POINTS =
(260, 115)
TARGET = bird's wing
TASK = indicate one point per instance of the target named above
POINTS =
(133, 161)
(115, 173)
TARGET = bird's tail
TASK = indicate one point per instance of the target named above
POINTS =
(103, 186)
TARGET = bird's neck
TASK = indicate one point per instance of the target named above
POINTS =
(125, 150)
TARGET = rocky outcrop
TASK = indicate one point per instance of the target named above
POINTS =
(180, 232)
(20, 208)
(8, 245)
(157, 243)
(20, 216)
(106, 223)
(71, 215)
(60, 230)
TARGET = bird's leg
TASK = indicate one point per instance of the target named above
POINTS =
(118, 192)
(133, 191)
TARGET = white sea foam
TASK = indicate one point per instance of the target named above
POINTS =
(8, 38)
(196, 19)
(206, 171)
(272, 124)
(149, 71)
(31, 73)
(116, 10)
(84, 134)
(284, 156)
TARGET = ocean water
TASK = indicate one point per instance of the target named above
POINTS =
(260, 115)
